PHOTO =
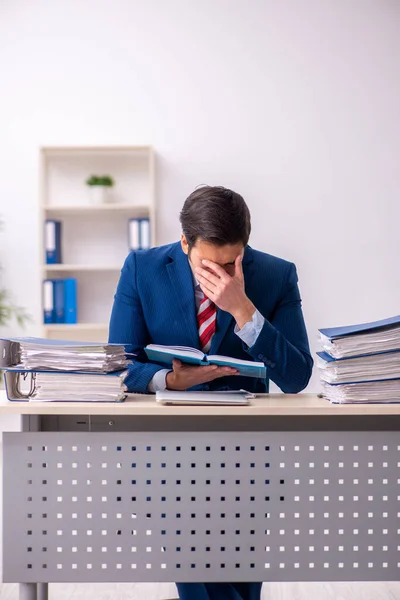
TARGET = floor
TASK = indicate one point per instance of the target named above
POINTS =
(162, 591)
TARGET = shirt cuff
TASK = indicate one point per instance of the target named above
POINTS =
(251, 330)
(159, 381)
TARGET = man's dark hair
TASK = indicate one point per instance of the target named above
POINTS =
(216, 215)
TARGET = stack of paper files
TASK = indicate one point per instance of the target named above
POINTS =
(52, 386)
(361, 363)
(38, 369)
(61, 355)
(367, 338)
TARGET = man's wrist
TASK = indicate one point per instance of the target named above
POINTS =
(244, 314)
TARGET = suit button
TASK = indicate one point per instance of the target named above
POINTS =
(272, 365)
(260, 357)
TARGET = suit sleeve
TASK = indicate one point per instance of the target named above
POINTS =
(282, 343)
(127, 326)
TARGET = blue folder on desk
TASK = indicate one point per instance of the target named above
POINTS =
(330, 359)
(336, 332)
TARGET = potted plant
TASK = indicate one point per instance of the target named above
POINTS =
(99, 186)
(8, 310)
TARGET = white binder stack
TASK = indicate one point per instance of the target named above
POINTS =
(361, 363)
(38, 369)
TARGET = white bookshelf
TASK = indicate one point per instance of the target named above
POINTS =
(76, 267)
(94, 236)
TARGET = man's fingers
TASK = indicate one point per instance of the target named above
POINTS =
(238, 266)
(208, 293)
(203, 274)
(220, 272)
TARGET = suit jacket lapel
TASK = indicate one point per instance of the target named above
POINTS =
(181, 279)
(225, 319)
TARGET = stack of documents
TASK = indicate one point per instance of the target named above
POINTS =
(44, 370)
(60, 355)
(51, 386)
(361, 363)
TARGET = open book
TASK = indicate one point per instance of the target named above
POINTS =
(166, 354)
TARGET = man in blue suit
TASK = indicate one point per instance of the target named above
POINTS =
(212, 291)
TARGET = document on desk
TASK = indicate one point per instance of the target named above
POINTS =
(366, 392)
(51, 386)
(230, 397)
(370, 367)
(362, 339)
(62, 355)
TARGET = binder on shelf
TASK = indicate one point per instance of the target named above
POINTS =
(133, 234)
(139, 234)
(52, 241)
(48, 301)
(59, 300)
(70, 300)
(144, 236)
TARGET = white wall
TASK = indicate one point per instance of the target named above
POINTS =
(295, 104)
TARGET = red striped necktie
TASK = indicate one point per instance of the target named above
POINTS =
(207, 322)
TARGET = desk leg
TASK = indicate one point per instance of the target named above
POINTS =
(42, 591)
(27, 591)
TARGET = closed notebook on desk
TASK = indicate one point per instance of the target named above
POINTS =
(166, 354)
(233, 397)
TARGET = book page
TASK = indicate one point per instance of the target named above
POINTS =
(176, 350)
(216, 358)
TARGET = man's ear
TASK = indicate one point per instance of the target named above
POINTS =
(184, 244)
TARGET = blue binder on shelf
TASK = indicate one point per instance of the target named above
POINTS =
(52, 241)
(59, 300)
(335, 332)
(48, 301)
(70, 300)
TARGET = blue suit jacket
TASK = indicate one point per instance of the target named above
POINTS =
(154, 303)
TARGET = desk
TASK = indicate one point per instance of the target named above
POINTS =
(290, 488)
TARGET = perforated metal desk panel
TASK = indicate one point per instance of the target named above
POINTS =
(290, 488)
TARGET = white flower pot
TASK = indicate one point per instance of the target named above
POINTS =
(99, 194)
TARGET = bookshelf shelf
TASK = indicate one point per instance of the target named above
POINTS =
(120, 208)
(75, 326)
(74, 267)
(98, 332)
(94, 237)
